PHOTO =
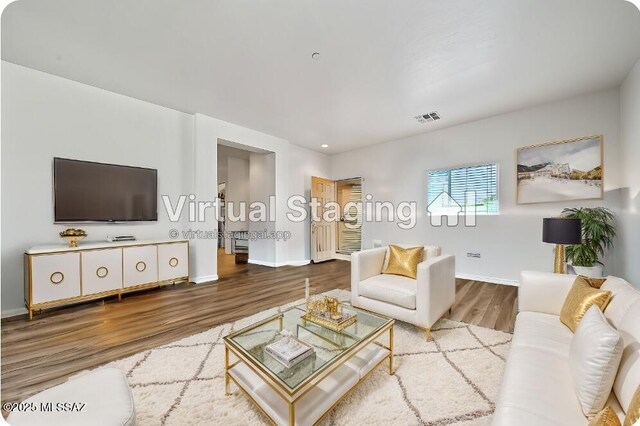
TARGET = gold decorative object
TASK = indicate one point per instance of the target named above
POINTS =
(606, 417)
(559, 266)
(73, 236)
(593, 282)
(404, 261)
(580, 298)
(633, 412)
(327, 312)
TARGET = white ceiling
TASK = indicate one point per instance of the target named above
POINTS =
(383, 62)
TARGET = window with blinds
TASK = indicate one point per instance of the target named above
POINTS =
(463, 190)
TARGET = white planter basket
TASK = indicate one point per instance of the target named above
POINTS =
(587, 271)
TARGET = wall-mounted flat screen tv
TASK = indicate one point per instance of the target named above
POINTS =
(85, 191)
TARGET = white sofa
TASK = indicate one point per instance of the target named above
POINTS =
(420, 302)
(538, 388)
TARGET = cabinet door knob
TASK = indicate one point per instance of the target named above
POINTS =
(56, 278)
(141, 266)
(102, 272)
(173, 262)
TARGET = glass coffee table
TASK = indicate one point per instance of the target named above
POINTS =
(304, 393)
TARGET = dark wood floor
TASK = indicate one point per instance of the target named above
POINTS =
(58, 343)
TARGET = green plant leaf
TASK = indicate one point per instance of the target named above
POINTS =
(598, 234)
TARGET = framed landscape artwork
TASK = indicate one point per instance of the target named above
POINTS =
(560, 171)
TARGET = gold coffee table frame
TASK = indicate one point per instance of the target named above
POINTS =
(292, 395)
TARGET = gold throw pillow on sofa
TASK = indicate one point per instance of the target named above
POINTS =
(606, 417)
(593, 282)
(579, 300)
(633, 412)
(404, 261)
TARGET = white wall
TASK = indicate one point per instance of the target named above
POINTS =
(629, 222)
(304, 163)
(262, 171)
(44, 116)
(207, 131)
(510, 242)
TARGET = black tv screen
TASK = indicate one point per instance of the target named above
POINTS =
(95, 192)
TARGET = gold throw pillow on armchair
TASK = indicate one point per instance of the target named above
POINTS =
(404, 261)
(579, 300)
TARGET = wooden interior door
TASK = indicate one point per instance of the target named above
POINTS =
(323, 233)
(349, 232)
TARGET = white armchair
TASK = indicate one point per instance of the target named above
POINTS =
(420, 302)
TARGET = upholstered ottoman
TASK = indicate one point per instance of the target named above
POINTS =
(99, 398)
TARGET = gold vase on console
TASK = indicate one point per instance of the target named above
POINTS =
(73, 236)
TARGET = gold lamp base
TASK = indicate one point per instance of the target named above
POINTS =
(559, 265)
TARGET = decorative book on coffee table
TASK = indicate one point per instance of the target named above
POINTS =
(289, 351)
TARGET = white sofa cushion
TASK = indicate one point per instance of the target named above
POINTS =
(393, 289)
(105, 393)
(623, 296)
(594, 357)
(628, 376)
(537, 388)
(542, 331)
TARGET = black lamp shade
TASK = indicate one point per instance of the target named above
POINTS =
(558, 230)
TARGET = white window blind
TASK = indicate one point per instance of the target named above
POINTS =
(463, 190)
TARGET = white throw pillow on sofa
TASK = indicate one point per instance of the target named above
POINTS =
(594, 357)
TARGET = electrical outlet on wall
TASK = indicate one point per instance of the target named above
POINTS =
(474, 255)
(377, 243)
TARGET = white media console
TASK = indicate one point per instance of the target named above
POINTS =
(58, 275)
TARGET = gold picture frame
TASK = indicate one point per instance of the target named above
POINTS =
(565, 170)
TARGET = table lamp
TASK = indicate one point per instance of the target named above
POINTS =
(561, 231)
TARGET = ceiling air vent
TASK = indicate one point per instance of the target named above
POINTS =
(428, 118)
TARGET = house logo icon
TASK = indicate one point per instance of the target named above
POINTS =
(445, 206)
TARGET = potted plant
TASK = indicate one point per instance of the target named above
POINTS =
(598, 233)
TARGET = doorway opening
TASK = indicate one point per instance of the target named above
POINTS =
(244, 176)
(336, 239)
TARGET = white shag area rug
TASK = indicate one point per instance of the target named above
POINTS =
(453, 379)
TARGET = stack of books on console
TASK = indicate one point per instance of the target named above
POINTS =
(289, 351)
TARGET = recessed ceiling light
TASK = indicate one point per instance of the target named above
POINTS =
(324, 145)
(315, 56)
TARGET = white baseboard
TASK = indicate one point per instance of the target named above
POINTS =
(204, 279)
(14, 312)
(263, 263)
(340, 256)
(299, 262)
(278, 264)
(488, 279)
